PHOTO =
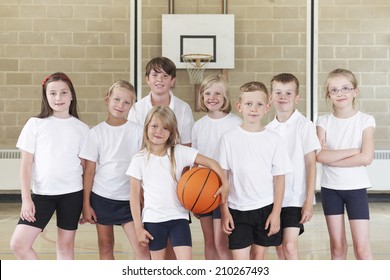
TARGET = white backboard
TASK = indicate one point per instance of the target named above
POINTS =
(199, 34)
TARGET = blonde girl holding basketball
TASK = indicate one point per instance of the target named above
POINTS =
(154, 173)
(108, 151)
(347, 139)
(206, 132)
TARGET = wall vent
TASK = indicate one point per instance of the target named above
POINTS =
(9, 154)
(382, 154)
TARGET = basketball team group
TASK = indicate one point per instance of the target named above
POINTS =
(125, 170)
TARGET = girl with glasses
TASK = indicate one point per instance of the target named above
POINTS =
(347, 140)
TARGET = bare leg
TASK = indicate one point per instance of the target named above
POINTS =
(221, 241)
(290, 243)
(259, 252)
(279, 252)
(22, 241)
(169, 253)
(338, 239)
(141, 252)
(242, 254)
(208, 236)
(360, 230)
(183, 252)
(65, 244)
(106, 241)
(158, 255)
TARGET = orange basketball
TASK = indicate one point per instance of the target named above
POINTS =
(196, 189)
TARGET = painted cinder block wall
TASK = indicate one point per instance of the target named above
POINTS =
(90, 41)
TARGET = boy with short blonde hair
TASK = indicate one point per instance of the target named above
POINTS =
(256, 161)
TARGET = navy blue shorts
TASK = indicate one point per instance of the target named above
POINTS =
(290, 217)
(249, 229)
(355, 201)
(177, 231)
(216, 214)
(109, 211)
(68, 209)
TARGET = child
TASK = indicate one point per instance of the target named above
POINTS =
(301, 141)
(50, 144)
(108, 151)
(347, 139)
(256, 161)
(161, 75)
(154, 173)
(206, 132)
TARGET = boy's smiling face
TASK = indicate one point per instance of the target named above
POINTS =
(160, 82)
(253, 106)
(284, 97)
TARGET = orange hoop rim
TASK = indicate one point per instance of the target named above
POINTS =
(197, 60)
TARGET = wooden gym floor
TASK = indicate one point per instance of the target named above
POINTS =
(313, 244)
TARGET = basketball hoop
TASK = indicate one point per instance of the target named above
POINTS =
(195, 64)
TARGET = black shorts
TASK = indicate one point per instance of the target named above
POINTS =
(290, 217)
(68, 209)
(355, 201)
(109, 211)
(216, 214)
(249, 229)
(177, 231)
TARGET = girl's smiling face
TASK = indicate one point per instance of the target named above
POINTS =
(119, 103)
(214, 98)
(158, 132)
(59, 97)
(341, 92)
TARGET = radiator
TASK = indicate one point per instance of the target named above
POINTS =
(9, 169)
(377, 171)
(10, 165)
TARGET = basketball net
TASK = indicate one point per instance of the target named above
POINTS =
(195, 64)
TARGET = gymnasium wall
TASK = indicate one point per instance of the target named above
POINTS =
(89, 40)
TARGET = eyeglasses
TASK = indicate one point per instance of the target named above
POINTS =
(344, 90)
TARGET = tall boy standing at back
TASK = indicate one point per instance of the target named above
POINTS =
(160, 75)
(301, 141)
(256, 161)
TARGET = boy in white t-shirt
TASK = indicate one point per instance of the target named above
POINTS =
(160, 75)
(256, 161)
(301, 141)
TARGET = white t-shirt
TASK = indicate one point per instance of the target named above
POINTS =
(182, 110)
(207, 132)
(299, 135)
(161, 203)
(112, 148)
(55, 144)
(252, 159)
(345, 134)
